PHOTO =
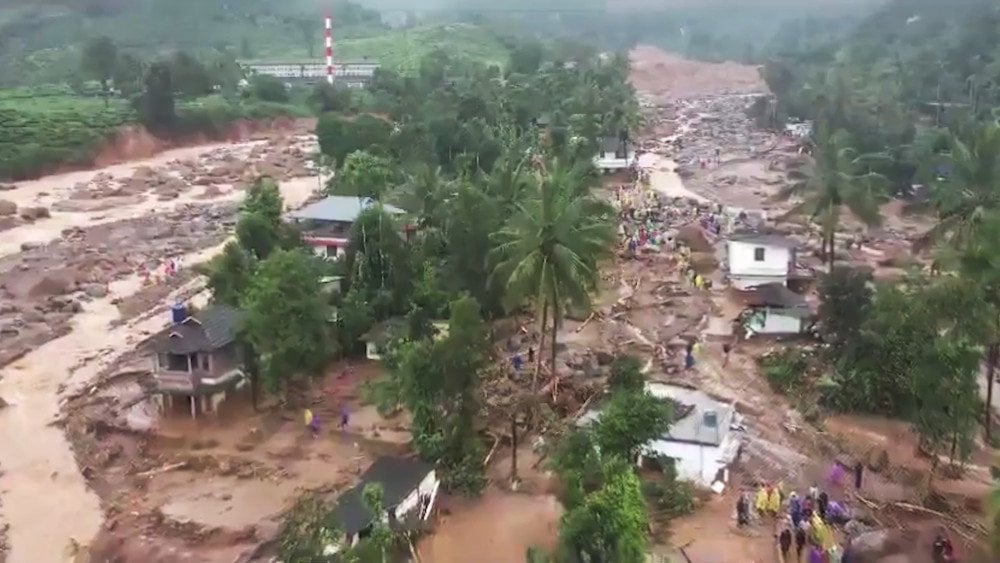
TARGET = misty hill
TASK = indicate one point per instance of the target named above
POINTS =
(41, 42)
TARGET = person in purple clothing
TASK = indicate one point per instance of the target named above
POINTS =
(344, 417)
(815, 555)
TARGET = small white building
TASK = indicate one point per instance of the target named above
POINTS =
(799, 129)
(409, 491)
(704, 439)
(774, 309)
(615, 154)
(756, 259)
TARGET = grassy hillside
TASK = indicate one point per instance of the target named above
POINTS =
(403, 49)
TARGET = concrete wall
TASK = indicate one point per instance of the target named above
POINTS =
(698, 463)
(742, 262)
(608, 161)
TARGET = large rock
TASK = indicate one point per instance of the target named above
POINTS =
(7, 208)
(95, 290)
(32, 213)
(3, 403)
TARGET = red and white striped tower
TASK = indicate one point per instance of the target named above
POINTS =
(329, 49)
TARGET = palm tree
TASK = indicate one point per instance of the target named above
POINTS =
(549, 249)
(979, 261)
(972, 186)
(838, 177)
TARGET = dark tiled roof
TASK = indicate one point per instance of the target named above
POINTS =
(763, 238)
(398, 477)
(776, 295)
(207, 330)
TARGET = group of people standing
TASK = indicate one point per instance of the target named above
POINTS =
(804, 522)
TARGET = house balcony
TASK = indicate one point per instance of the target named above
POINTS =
(183, 382)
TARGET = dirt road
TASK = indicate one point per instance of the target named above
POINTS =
(45, 499)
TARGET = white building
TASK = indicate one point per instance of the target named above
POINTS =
(757, 259)
(351, 74)
(775, 309)
(615, 154)
(409, 490)
(704, 439)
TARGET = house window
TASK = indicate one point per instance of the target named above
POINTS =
(204, 362)
(758, 254)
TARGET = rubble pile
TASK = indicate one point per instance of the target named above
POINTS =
(281, 159)
(42, 287)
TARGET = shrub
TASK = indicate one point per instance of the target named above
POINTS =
(784, 369)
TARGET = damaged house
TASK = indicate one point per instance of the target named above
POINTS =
(774, 309)
(197, 360)
(704, 439)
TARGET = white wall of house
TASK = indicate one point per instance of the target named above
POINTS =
(372, 352)
(776, 321)
(697, 463)
(607, 160)
(752, 264)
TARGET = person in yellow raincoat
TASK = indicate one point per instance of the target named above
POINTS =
(774, 501)
(760, 500)
(821, 535)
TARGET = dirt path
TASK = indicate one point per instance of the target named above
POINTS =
(45, 499)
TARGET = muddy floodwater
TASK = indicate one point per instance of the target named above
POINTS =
(499, 527)
(43, 496)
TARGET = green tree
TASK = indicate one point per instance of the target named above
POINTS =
(264, 198)
(839, 177)
(156, 106)
(127, 74)
(364, 175)
(972, 186)
(269, 88)
(549, 250)
(845, 298)
(229, 274)
(380, 537)
(307, 530)
(610, 524)
(626, 374)
(190, 77)
(378, 262)
(439, 381)
(256, 235)
(100, 55)
(356, 318)
(339, 136)
(286, 317)
(629, 421)
(979, 262)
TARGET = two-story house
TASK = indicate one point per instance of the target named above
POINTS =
(326, 224)
(197, 360)
(756, 259)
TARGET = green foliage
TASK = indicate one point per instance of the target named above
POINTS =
(845, 297)
(229, 274)
(668, 497)
(440, 384)
(339, 137)
(256, 234)
(629, 420)
(44, 127)
(991, 508)
(784, 369)
(269, 89)
(286, 317)
(357, 317)
(156, 105)
(364, 175)
(626, 374)
(610, 524)
(917, 357)
(100, 56)
(378, 262)
(307, 529)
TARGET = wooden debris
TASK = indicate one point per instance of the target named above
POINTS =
(164, 469)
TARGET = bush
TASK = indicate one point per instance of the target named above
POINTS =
(268, 89)
(784, 369)
(626, 374)
(668, 496)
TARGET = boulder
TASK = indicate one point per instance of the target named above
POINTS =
(95, 290)
(3, 403)
(7, 208)
(32, 213)
(30, 245)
